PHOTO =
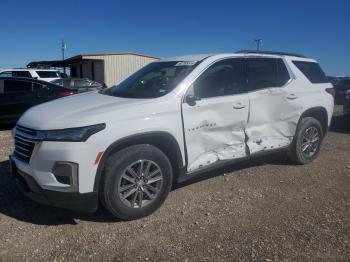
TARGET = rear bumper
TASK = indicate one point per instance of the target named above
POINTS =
(82, 202)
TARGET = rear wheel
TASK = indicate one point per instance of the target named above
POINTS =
(136, 182)
(307, 141)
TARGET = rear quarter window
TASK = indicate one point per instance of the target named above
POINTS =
(312, 71)
(22, 74)
(47, 74)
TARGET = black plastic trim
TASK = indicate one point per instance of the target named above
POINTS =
(82, 202)
(313, 110)
(137, 139)
(184, 176)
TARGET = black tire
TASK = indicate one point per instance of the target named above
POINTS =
(295, 153)
(116, 166)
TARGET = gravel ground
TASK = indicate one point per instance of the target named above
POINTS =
(261, 210)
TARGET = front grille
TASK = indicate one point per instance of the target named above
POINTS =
(24, 143)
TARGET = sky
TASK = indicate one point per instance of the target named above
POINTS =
(32, 30)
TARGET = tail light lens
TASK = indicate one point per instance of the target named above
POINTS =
(331, 91)
(68, 93)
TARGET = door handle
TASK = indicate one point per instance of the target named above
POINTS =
(292, 96)
(238, 106)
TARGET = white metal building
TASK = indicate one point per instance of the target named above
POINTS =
(109, 68)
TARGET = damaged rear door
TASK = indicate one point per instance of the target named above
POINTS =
(215, 113)
(273, 112)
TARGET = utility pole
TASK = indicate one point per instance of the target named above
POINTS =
(258, 42)
(63, 49)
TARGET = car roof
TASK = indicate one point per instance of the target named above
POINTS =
(242, 53)
(195, 57)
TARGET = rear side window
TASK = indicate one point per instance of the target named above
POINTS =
(14, 86)
(63, 82)
(47, 74)
(81, 83)
(282, 73)
(312, 71)
(266, 72)
(21, 74)
(6, 74)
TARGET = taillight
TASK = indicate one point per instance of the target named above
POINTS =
(68, 93)
(331, 91)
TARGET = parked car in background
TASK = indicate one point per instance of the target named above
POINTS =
(346, 106)
(335, 79)
(341, 86)
(173, 119)
(79, 84)
(47, 75)
(19, 94)
(63, 75)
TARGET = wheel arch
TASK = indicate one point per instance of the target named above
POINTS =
(319, 113)
(162, 140)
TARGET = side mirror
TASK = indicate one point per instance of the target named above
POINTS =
(191, 99)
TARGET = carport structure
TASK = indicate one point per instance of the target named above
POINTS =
(109, 68)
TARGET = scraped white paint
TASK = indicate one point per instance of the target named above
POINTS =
(272, 119)
(214, 130)
(267, 121)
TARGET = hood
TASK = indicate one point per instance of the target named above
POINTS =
(78, 110)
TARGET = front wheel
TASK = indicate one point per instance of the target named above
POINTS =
(136, 182)
(307, 141)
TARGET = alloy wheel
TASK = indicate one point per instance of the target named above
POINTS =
(310, 141)
(140, 183)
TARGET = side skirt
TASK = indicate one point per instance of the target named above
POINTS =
(184, 175)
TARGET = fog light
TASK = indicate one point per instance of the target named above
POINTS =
(66, 173)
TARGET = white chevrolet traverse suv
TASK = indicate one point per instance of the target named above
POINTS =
(173, 119)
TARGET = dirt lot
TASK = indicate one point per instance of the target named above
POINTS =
(262, 210)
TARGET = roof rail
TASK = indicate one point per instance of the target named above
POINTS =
(268, 53)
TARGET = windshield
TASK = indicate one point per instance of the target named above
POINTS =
(154, 80)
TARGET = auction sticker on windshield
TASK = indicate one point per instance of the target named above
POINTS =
(186, 63)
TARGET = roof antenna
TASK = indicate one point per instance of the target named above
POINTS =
(258, 42)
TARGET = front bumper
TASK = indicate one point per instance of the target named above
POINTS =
(83, 202)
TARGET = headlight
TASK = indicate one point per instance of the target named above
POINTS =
(77, 134)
